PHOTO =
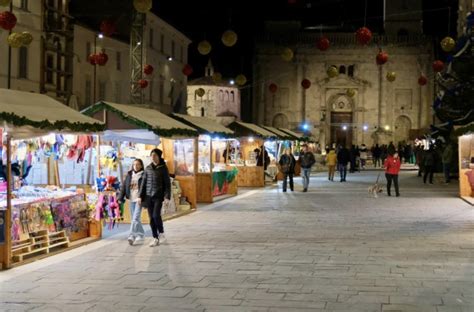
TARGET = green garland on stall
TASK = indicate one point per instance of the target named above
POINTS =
(467, 129)
(142, 125)
(224, 176)
(20, 121)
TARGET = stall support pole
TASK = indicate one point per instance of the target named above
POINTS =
(98, 156)
(196, 156)
(8, 214)
(227, 151)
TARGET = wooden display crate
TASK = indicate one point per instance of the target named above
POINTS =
(39, 243)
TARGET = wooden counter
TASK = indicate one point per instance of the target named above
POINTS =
(250, 176)
(207, 186)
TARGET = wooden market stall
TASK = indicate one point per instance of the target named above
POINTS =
(215, 179)
(466, 162)
(147, 129)
(251, 139)
(39, 220)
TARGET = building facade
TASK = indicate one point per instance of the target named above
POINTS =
(220, 100)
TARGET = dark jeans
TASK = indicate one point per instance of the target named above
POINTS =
(447, 172)
(342, 168)
(428, 170)
(390, 178)
(154, 205)
(285, 178)
(377, 162)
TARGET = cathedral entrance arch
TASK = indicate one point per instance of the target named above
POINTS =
(402, 129)
(341, 119)
(280, 121)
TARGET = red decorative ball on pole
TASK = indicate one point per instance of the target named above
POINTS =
(148, 69)
(381, 58)
(187, 70)
(363, 35)
(306, 84)
(273, 88)
(438, 66)
(108, 27)
(422, 80)
(323, 44)
(7, 20)
(102, 58)
(143, 83)
(92, 59)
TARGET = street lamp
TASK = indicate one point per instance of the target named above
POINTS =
(344, 127)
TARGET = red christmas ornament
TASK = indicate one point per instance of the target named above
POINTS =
(422, 80)
(108, 27)
(92, 58)
(143, 83)
(306, 83)
(7, 20)
(148, 69)
(273, 88)
(438, 66)
(323, 44)
(363, 35)
(102, 58)
(381, 58)
(187, 70)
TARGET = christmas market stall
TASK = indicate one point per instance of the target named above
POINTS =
(466, 162)
(214, 177)
(251, 157)
(40, 215)
(132, 132)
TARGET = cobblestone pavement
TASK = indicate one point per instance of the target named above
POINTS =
(332, 249)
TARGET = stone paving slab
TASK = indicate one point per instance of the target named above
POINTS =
(332, 249)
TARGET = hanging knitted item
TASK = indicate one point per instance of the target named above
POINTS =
(99, 208)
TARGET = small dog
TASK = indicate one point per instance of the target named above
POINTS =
(375, 189)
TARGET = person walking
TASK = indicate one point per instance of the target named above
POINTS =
(307, 161)
(419, 150)
(343, 157)
(130, 190)
(376, 153)
(287, 166)
(392, 168)
(155, 192)
(447, 158)
(331, 161)
(363, 155)
(428, 164)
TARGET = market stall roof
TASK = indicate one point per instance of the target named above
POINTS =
(293, 134)
(467, 129)
(143, 118)
(27, 115)
(204, 125)
(243, 129)
(282, 135)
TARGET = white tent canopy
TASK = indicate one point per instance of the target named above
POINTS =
(27, 115)
(134, 136)
(205, 124)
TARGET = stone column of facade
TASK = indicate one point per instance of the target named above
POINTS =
(298, 91)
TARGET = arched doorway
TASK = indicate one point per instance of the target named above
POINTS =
(280, 121)
(402, 129)
(341, 119)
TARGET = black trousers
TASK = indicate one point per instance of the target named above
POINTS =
(287, 176)
(390, 178)
(154, 205)
(429, 170)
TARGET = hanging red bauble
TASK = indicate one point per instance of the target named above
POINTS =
(108, 27)
(143, 83)
(102, 58)
(381, 58)
(323, 44)
(92, 58)
(363, 35)
(7, 20)
(422, 80)
(438, 66)
(306, 83)
(273, 88)
(187, 70)
(148, 69)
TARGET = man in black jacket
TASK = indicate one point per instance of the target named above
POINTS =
(343, 157)
(307, 161)
(287, 166)
(154, 192)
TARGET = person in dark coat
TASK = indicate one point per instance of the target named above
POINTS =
(263, 156)
(154, 192)
(287, 166)
(307, 161)
(429, 164)
(343, 157)
(376, 154)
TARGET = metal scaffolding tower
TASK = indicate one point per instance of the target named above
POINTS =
(137, 60)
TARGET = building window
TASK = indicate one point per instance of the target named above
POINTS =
(162, 91)
(102, 91)
(162, 43)
(181, 53)
(118, 58)
(232, 96)
(342, 69)
(88, 50)
(150, 38)
(350, 71)
(49, 68)
(203, 112)
(23, 64)
(173, 49)
(88, 89)
(24, 5)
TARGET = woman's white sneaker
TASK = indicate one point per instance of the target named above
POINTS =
(131, 239)
(138, 240)
(155, 242)
(162, 238)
